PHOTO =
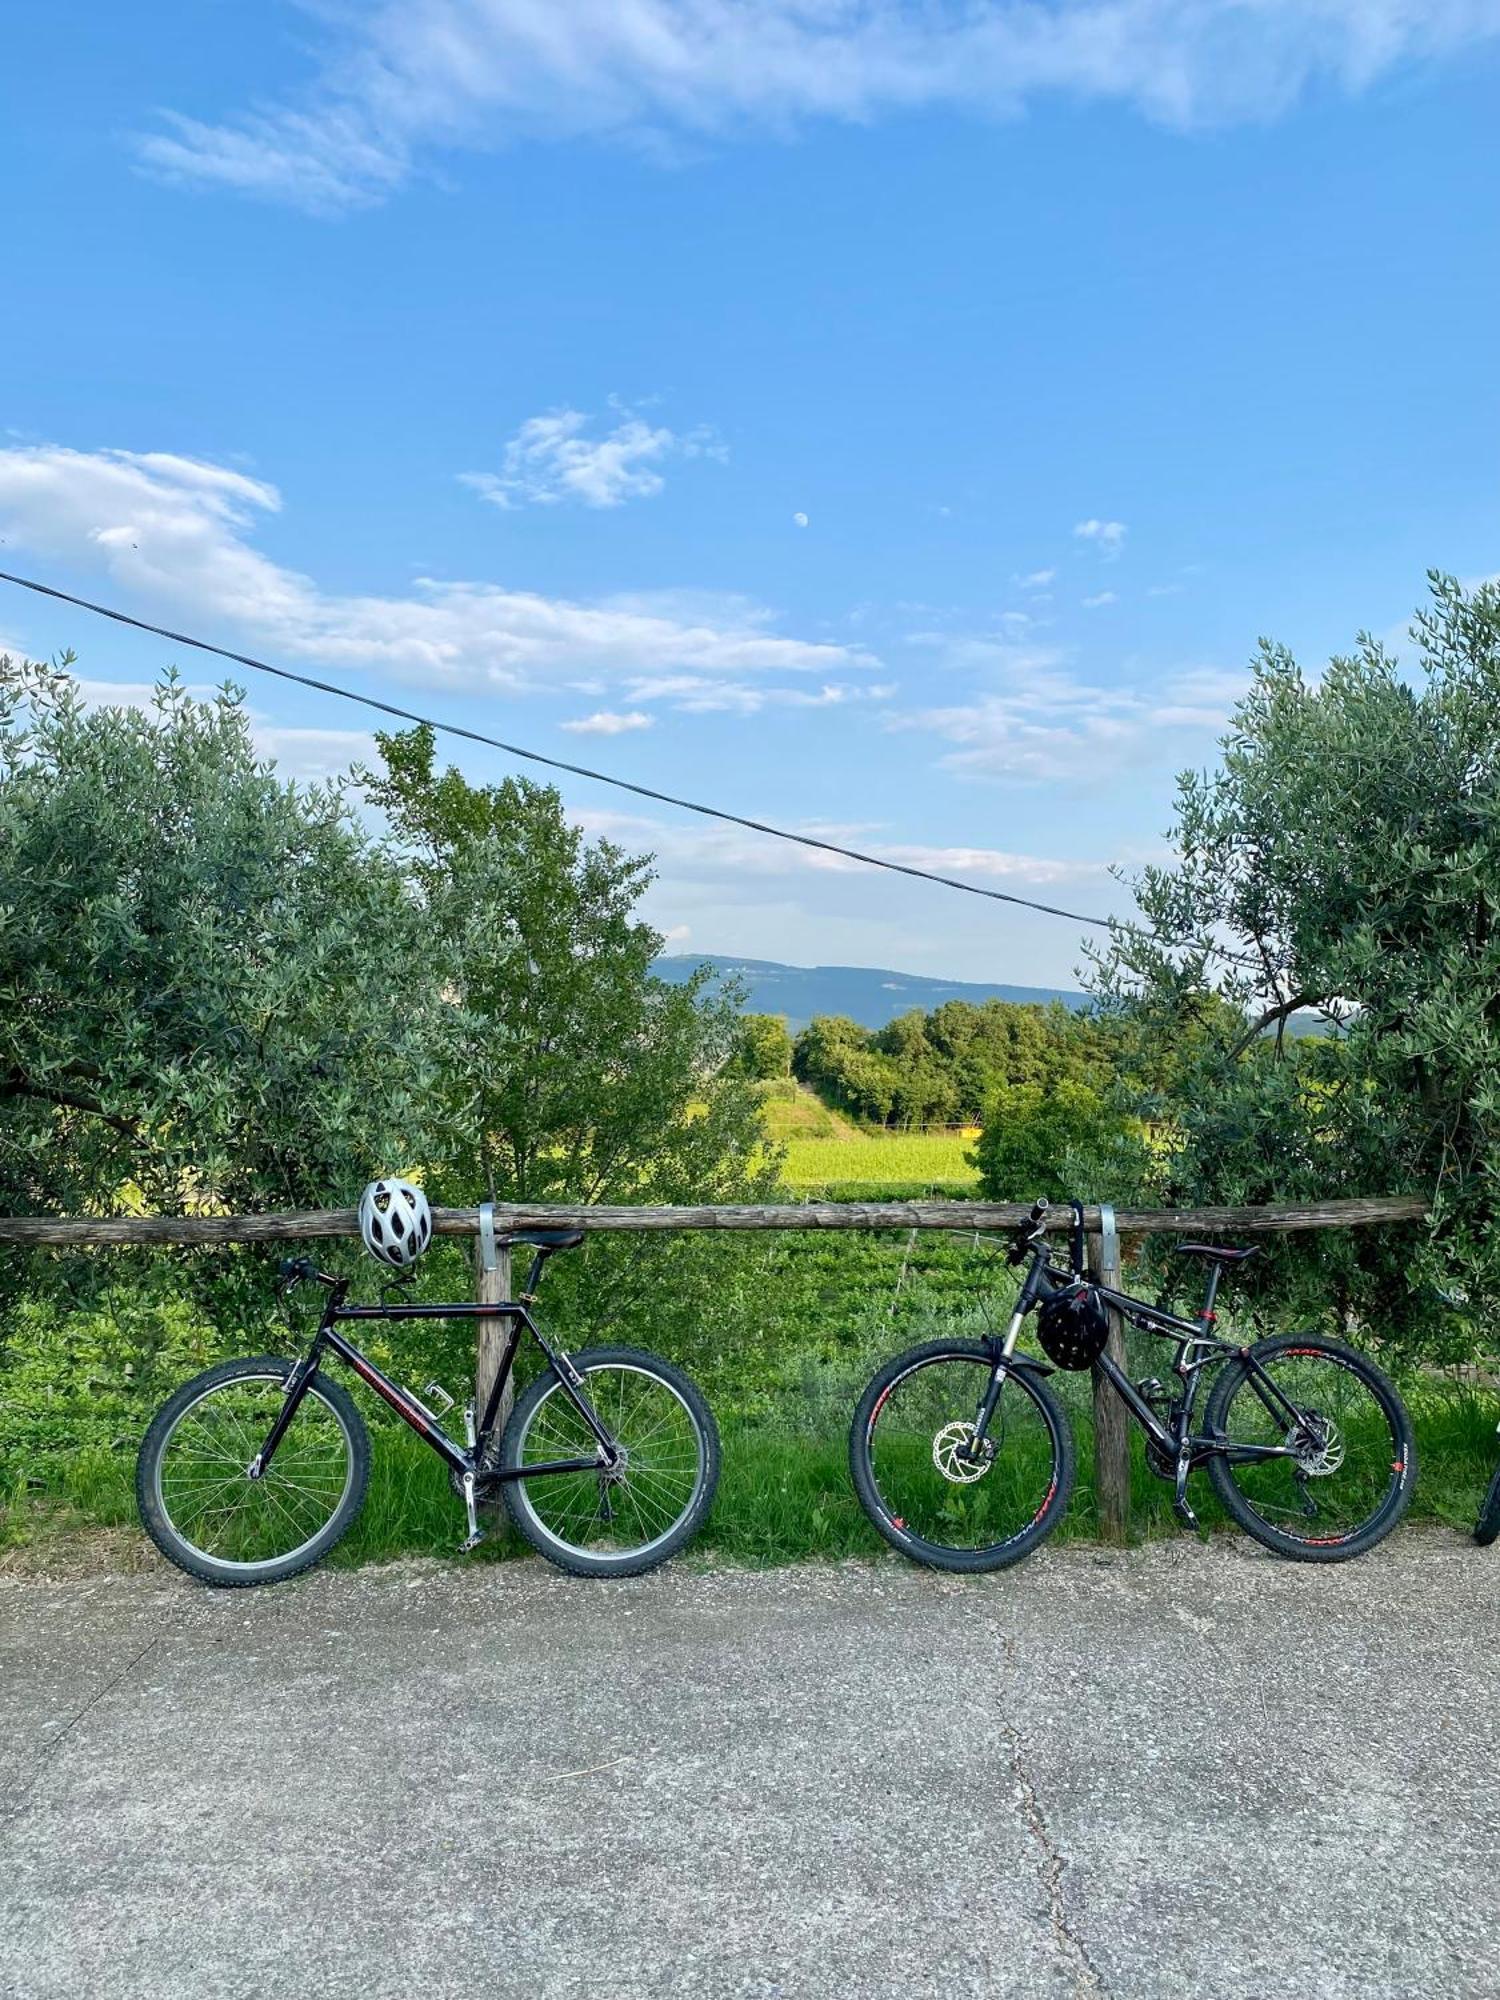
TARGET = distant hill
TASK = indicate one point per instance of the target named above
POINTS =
(865, 993)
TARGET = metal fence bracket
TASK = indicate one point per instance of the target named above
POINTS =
(488, 1261)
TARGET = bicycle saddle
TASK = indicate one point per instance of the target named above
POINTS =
(545, 1239)
(1215, 1250)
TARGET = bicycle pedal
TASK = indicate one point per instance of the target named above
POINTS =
(471, 1541)
(1185, 1514)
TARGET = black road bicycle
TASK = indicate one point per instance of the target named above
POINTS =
(962, 1455)
(254, 1470)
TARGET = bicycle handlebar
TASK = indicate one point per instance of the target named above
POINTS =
(301, 1270)
(1027, 1234)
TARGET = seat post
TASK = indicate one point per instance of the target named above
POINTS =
(1215, 1272)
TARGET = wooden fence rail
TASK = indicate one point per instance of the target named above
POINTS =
(60, 1232)
(492, 1270)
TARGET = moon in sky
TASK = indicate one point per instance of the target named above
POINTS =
(800, 519)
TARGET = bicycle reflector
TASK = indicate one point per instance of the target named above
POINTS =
(1072, 1326)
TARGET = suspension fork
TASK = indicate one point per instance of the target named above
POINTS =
(998, 1373)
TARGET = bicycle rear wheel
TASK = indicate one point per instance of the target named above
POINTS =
(197, 1500)
(1352, 1460)
(626, 1520)
(932, 1489)
(1488, 1525)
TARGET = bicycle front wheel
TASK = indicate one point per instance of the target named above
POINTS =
(624, 1520)
(1348, 1457)
(937, 1491)
(197, 1500)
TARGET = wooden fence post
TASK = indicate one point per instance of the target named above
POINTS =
(1111, 1425)
(491, 1285)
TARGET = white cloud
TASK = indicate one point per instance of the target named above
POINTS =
(1036, 579)
(608, 722)
(799, 520)
(174, 536)
(1200, 698)
(720, 851)
(1108, 536)
(403, 78)
(551, 459)
(698, 694)
(1043, 723)
(1099, 598)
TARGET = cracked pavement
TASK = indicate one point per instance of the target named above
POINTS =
(1184, 1768)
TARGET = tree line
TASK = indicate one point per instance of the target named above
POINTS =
(937, 1068)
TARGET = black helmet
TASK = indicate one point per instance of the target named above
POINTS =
(1072, 1325)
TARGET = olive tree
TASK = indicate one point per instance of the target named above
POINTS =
(215, 989)
(1342, 865)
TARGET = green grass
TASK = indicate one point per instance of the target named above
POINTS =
(784, 1495)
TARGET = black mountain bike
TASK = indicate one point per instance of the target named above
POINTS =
(963, 1458)
(254, 1470)
(1488, 1525)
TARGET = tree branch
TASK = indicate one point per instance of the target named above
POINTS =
(1273, 1016)
(17, 1084)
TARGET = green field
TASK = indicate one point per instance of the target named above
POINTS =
(897, 1157)
(823, 1149)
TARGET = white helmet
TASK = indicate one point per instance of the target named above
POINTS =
(395, 1221)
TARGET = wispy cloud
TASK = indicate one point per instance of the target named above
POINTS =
(700, 694)
(718, 851)
(177, 535)
(404, 79)
(1099, 599)
(609, 722)
(552, 458)
(1038, 721)
(1107, 536)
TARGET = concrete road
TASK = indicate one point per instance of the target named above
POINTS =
(1182, 1771)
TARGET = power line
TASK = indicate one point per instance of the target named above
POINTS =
(552, 763)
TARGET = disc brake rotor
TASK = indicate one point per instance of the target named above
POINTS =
(949, 1447)
(1316, 1441)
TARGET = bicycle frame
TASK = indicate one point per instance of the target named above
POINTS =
(464, 1460)
(1197, 1349)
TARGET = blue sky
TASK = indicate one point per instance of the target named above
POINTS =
(889, 419)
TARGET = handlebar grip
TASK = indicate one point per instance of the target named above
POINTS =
(1039, 1208)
